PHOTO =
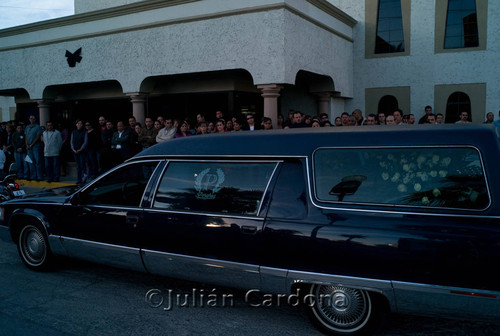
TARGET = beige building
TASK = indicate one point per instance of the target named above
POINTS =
(183, 57)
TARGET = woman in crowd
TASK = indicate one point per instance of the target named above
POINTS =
(220, 126)
(229, 125)
(201, 128)
(135, 145)
(158, 126)
(182, 130)
(267, 123)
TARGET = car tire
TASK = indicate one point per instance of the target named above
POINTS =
(33, 248)
(339, 310)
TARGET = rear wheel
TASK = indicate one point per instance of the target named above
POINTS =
(340, 310)
(33, 248)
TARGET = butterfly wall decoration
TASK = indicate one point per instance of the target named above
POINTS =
(73, 58)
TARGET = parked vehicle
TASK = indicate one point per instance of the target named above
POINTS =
(358, 221)
(9, 188)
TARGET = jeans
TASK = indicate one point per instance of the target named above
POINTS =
(81, 166)
(36, 167)
(92, 162)
(21, 165)
(52, 167)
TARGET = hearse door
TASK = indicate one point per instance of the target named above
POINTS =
(205, 221)
(100, 223)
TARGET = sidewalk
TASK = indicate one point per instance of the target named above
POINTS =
(69, 179)
(47, 185)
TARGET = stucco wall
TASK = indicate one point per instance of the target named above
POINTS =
(424, 69)
(269, 41)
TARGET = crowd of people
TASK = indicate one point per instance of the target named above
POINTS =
(41, 152)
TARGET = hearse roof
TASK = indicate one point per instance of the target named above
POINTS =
(302, 142)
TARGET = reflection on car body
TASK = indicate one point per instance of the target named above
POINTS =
(349, 214)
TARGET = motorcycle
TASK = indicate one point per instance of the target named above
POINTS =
(9, 188)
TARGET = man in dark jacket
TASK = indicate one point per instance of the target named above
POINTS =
(120, 142)
(19, 145)
(79, 146)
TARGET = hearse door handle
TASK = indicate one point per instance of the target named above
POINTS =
(134, 220)
(248, 229)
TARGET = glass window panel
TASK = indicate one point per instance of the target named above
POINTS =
(122, 187)
(390, 37)
(455, 30)
(429, 177)
(461, 24)
(224, 187)
(453, 42)
(384, 25)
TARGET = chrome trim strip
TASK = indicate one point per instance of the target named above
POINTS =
(105, 245)
(402, 205)
(446, 301)
(383, 287)
(207, 261)
(204, 214)
(56, 245)
(267, 187)
(214, 271)
(157, 184)
(112, 207)
(32, 204)
(103, 253)
(212, 157)
(273, 280)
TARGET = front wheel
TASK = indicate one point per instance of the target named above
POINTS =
(340, 310)
(33, 248)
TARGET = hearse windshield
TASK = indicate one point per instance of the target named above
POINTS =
(451, 177)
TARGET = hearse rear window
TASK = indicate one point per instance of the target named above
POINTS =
(428, 177)
(224, 187)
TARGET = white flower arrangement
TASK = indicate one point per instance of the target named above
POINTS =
(445, 162)
(395, 177)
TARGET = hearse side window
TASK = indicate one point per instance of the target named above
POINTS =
(122, 187)
(224, 187)
(429, 177)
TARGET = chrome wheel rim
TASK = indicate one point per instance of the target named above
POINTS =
(341, 308)
(33, 245)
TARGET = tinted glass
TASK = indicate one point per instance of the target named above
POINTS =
(430, 177)
(390, 37)
(122, 187)
(461, 25)
(229, 187)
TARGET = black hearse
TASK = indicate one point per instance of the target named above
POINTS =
(358, 220)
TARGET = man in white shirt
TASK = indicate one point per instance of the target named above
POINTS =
(52, 140)
(167, 132)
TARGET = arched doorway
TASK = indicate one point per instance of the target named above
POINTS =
(457, 102)
(387, 104)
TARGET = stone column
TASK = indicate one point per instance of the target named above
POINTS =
(44, 111)
(324, 102)
(138, 106)
(270, 93)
